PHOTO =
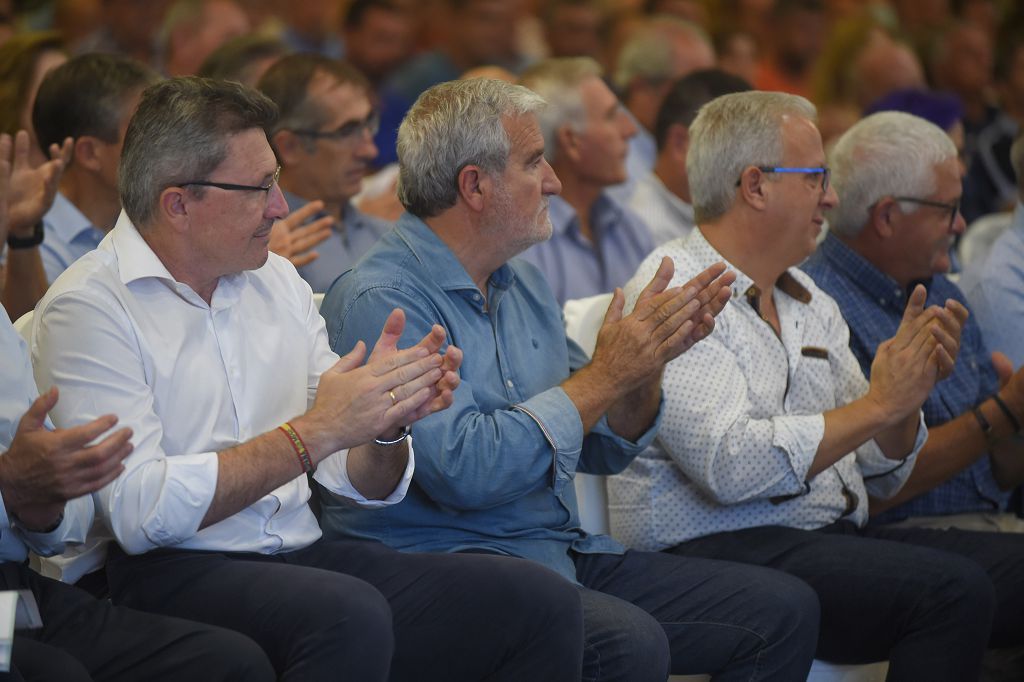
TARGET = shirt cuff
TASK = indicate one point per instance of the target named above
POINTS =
(560, 422)
(332, 473)
(883, 477)
(799, 436)
(635, 447)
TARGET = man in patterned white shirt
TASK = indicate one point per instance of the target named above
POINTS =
(772, 438)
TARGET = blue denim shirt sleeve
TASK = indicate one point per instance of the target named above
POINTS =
(469, 456)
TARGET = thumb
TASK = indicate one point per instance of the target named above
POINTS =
(614, 313)
(1003, 367)
(915, 304)
(390, 334)
(35, 417)
(351, 360)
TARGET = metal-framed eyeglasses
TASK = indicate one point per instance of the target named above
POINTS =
(231, 187)
(348, 132)
(953, 208)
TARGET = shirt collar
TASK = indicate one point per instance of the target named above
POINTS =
(862, 274)
(66, 220)
(564, 220)
(351, 217)
(670, 197)
(137, 261)
(445, 268)
(743, 287)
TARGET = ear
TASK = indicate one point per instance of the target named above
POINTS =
(882, 217)
(677, 141)
(474, 186)
(173, 207)
(568, 143)
(288, 147)
(753, 188)
(85, 154)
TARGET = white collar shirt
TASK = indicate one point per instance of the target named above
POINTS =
(119, 335)
(666, 215)
(744, 416)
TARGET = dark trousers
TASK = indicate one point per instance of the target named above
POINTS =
(647, 614)
(85, 639)
(929, 601)
(350, 609)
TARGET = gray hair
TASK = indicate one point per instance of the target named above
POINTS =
(731, 133)
(648, 54)
(558, 81)
(890, 153)
(451, 126)
(180, 133)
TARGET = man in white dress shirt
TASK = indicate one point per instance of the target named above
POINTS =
(772, 438)
(215, 355)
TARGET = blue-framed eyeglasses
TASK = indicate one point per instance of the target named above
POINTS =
(822, 171)
(348, 132)
(953, 208)
(231, 187)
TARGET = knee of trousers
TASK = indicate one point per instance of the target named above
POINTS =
(638, 649)
(349, 614)
(789, 611)
(964, 594)
(539, 601)
(230, 656)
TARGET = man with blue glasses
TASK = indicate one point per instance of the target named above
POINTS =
(324, 141)
(772, 439)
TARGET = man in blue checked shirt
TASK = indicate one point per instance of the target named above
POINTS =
(899, 179)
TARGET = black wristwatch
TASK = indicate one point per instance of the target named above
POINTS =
(35, 240)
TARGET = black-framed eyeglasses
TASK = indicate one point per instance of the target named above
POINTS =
(953, 208)
(236, 188)
(348, 132)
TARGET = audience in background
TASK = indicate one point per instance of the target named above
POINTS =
(661, 51)
(596, 243)
(89, 99)
(323, 139)
(662, 197)
(995, 286)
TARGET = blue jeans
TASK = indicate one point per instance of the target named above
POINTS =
(648, 614)
(929, 601)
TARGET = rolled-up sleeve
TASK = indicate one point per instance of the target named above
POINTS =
(87, 347)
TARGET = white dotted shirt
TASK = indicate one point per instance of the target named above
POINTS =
(743, 418)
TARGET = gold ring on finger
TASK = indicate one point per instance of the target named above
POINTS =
(394, 398)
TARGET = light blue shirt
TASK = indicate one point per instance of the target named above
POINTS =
(574, 266)
(68, 235)
(349, 240)
(17, 391)
(995, 290)
(495, 470)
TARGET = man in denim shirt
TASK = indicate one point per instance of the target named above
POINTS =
(496, 475)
